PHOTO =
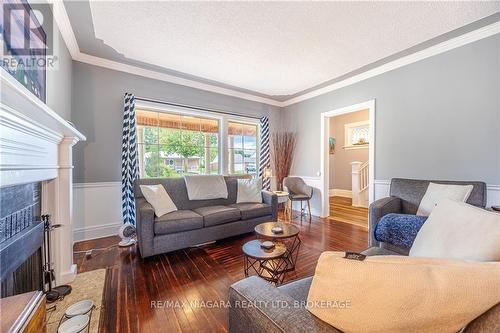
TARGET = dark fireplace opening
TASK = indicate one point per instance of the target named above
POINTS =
(21, 239)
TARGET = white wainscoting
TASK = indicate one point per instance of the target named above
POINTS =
(98, 213)
(97, 210)
(382, 189)
(493, 193)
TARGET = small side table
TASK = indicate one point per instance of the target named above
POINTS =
(288, 238)
(268, 264)
(283, 200)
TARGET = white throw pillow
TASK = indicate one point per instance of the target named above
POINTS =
(436, 192)
(461, 231)
(158, 197)
(206, 187)
(393, 294)
(249, 190)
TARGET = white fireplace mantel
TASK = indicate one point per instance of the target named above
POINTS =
(36, 145)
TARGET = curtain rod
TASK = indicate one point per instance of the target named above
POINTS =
(194, 107)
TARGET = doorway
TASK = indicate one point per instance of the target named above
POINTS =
(348, 173)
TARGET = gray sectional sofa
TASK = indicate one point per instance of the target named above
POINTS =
(196, 221)
(281, 309)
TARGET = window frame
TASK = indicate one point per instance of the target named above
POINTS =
(348, 129)
(257, 143)
(223, 119)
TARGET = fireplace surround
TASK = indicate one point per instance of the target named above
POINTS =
(36, 147)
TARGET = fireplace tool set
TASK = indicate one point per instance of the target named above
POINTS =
(51, 293)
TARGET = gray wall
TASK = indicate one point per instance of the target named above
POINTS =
(98, 113)
(438, 118)
(59, 81)
(340, 162)
(59, 78)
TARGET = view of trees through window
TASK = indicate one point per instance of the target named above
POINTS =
(172, 145)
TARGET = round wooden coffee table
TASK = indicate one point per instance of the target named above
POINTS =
(268, 264)
(289, 238)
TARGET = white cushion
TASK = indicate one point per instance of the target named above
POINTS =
(158, 197)
(436, 192)
(401, 294)
(206, 187)
(459, 230)
(249, 190)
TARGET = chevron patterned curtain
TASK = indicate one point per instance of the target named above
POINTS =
(265, 160)
(130, 162)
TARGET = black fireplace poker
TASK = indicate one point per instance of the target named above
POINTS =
(52, 294)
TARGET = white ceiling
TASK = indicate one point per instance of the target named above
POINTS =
(274, 48)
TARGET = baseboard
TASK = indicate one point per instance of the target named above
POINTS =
(68, 276)
(337, 192)
(99, 231)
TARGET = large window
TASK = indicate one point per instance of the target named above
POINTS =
(242, 148)
(173, 145)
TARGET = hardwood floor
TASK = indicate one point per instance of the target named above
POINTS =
(191, 276)
(341, 209)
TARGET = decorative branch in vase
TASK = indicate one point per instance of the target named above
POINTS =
(283, 149)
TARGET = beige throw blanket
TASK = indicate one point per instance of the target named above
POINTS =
(206, 187)
(401, 294)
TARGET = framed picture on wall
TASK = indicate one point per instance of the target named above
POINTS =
(24, 45)
(331, 145)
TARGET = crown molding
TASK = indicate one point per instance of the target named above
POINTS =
(62, 19)
(118, 66)
(442, 47)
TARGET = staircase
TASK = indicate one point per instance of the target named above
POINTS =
(360, 183)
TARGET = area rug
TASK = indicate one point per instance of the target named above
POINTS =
(88, 285)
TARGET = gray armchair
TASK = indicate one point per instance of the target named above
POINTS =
(298, 191)
(405, 197)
